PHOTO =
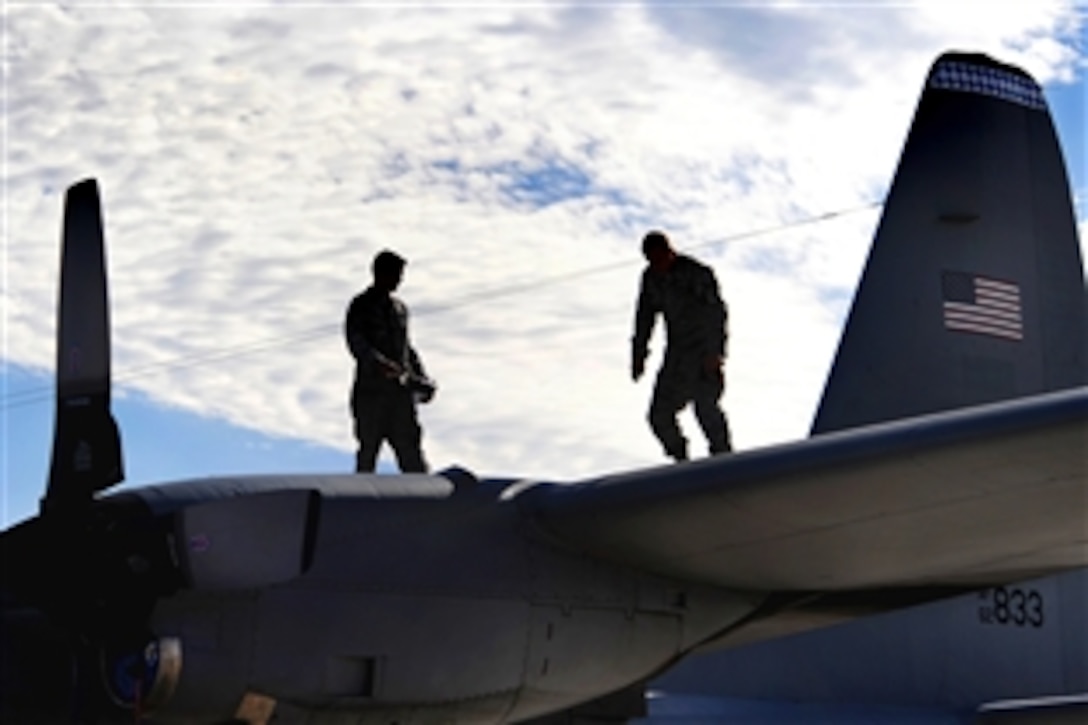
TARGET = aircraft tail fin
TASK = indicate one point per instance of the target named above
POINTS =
(86, 442)
(974, 288)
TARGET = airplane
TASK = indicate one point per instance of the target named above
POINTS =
(947, 458)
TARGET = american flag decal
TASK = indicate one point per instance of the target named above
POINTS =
(981, 305)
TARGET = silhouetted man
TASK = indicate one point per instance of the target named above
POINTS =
(389, 376)
(686, 294)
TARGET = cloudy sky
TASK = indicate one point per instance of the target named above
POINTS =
(253, 157)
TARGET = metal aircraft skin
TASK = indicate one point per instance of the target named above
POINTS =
(1013, 653)
(947, 457)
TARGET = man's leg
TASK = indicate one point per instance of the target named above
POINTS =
(667, 401)
(406, 435)
(366, 413)
(708, 412)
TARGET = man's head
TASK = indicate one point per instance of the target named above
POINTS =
(658, 251)
(388, 269)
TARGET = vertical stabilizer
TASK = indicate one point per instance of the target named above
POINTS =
(86, 443)
(974, 290)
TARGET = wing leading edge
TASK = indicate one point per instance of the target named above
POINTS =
(991, 494)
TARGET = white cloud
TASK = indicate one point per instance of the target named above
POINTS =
(253, 159)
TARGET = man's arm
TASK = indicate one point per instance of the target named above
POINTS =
(415, 378)
(422, 385)
(713, 314)
(415, 364)
(646, 311)
(365, 354)
(358, 346)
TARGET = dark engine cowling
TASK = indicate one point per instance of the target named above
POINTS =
(81, 585)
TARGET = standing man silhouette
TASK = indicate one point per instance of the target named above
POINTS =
(389, 375)
(685, 292)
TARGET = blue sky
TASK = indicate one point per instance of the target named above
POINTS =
(252, 159)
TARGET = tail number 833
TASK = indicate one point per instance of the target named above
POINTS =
(1012, 606)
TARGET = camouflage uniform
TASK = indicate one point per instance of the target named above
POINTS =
(695, 326)
(384, 408)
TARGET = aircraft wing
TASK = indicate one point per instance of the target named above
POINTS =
(984, 495)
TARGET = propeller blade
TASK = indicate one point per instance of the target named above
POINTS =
(86, 441)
